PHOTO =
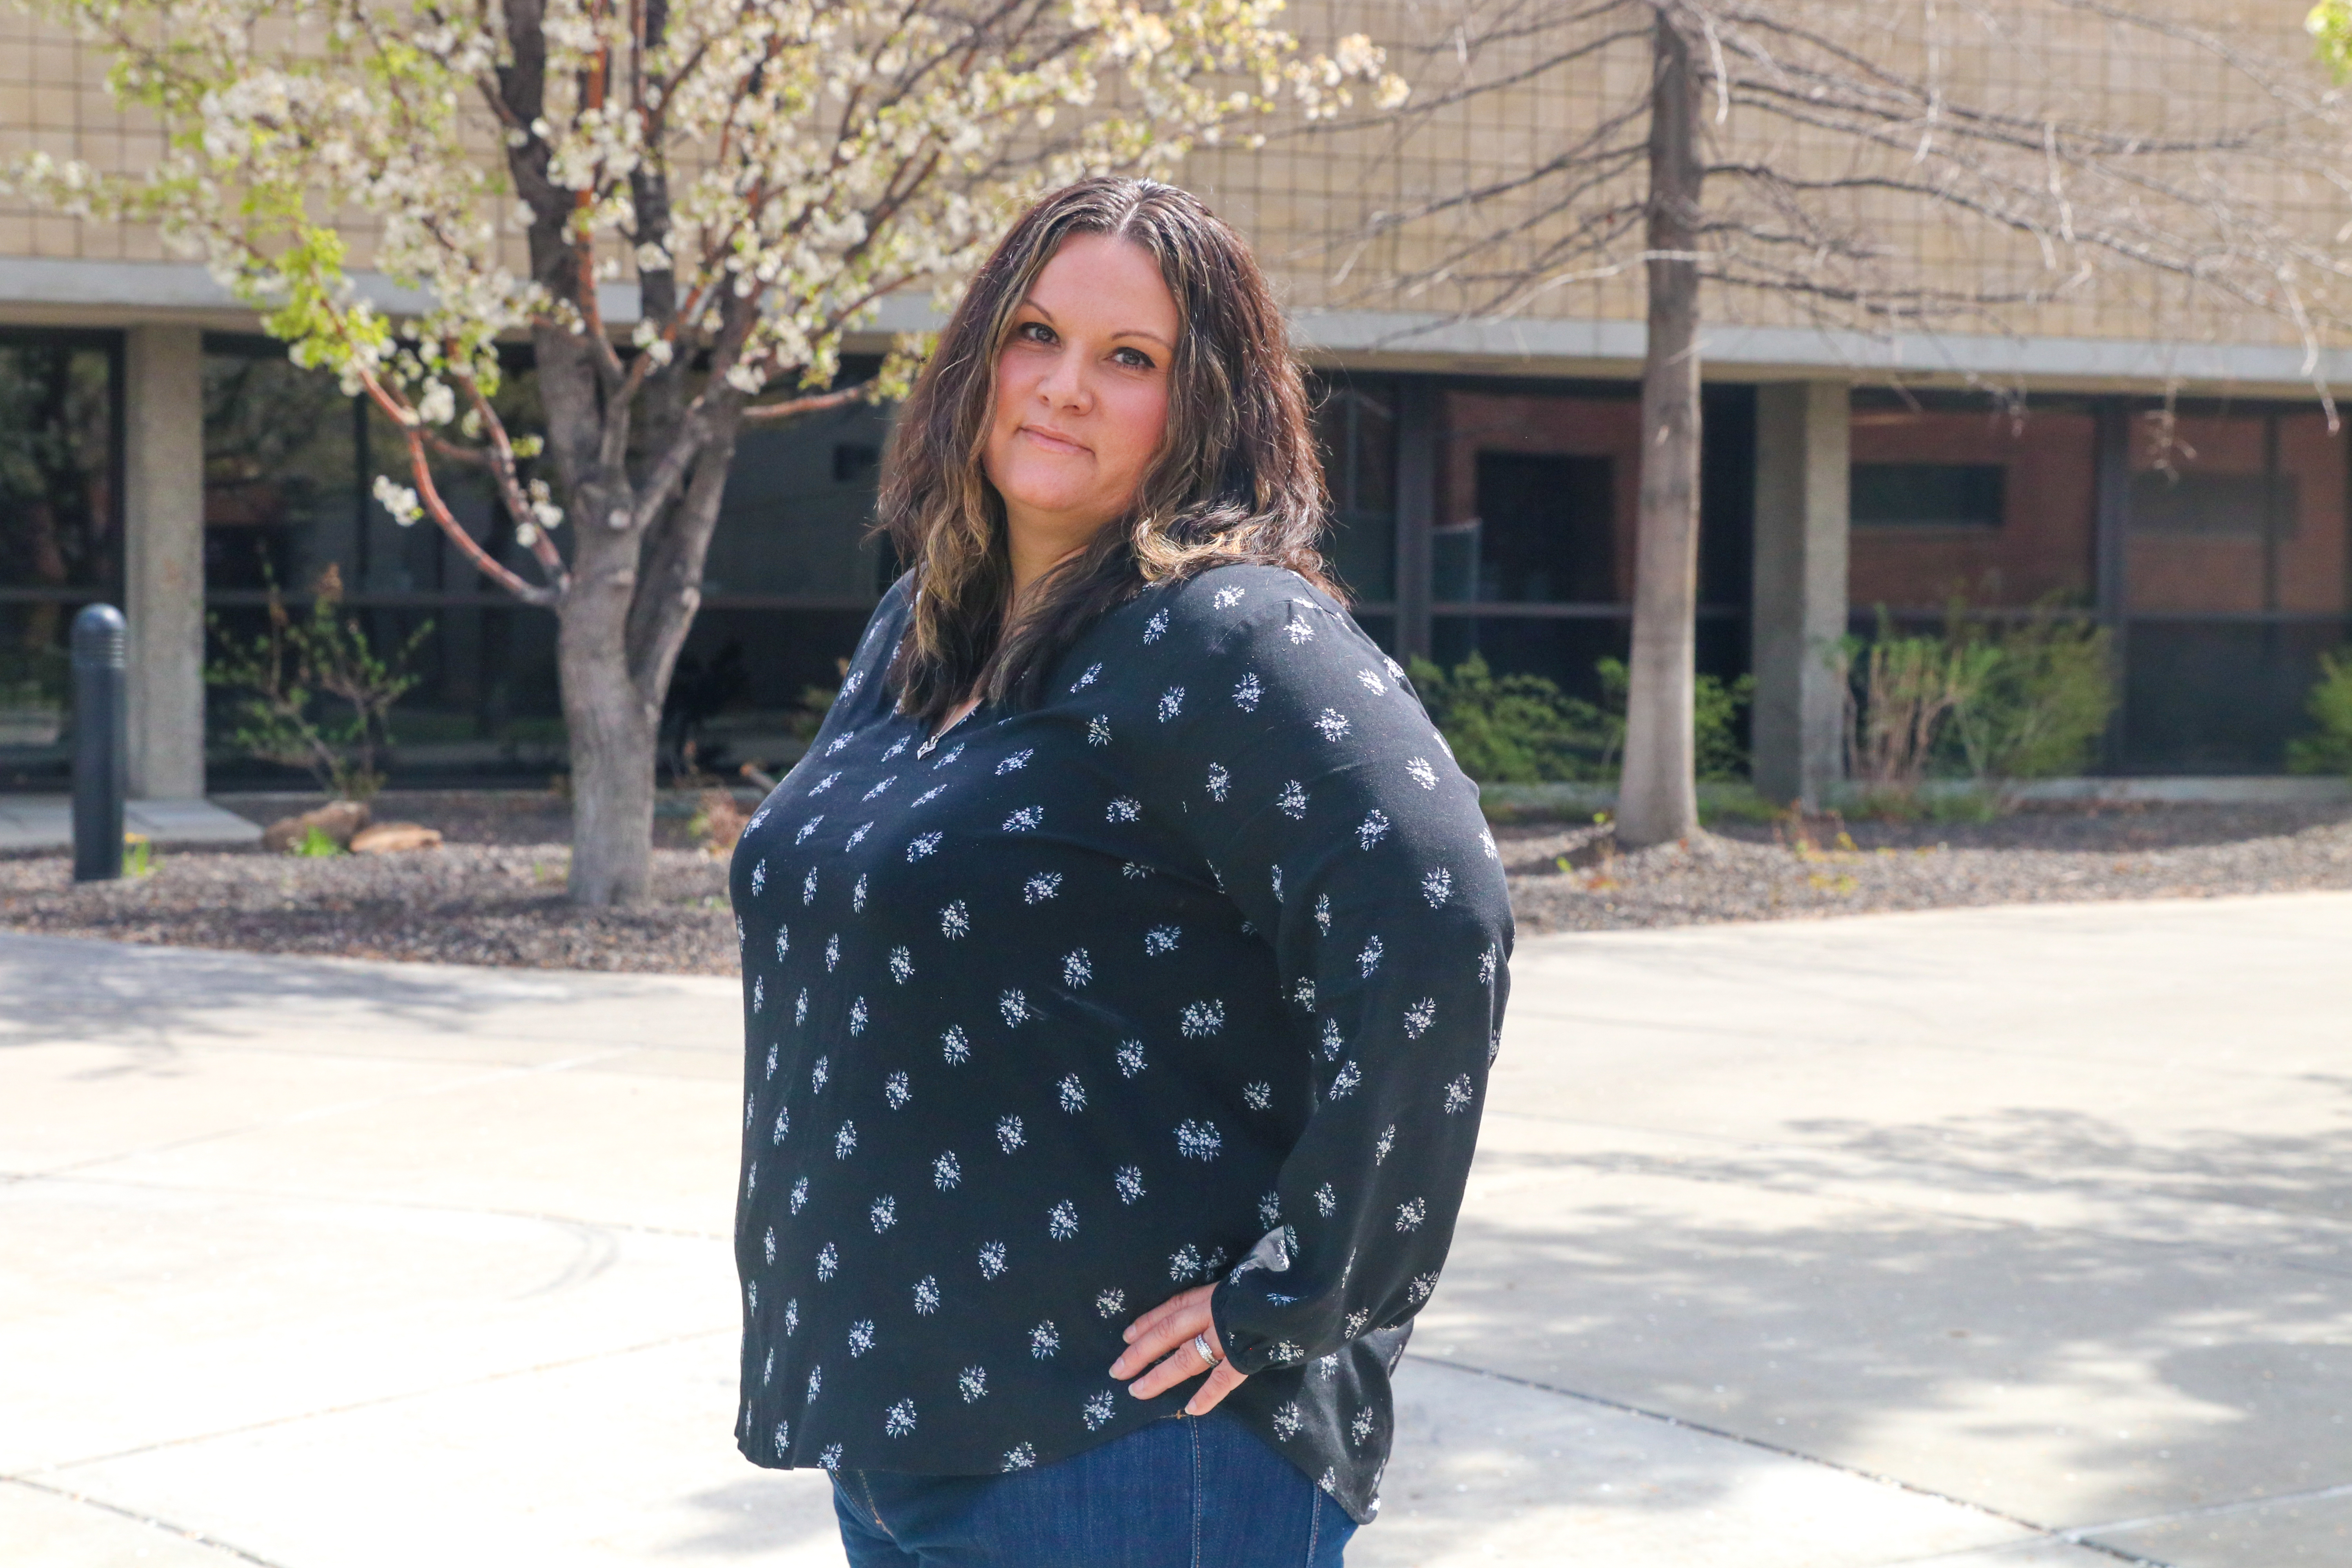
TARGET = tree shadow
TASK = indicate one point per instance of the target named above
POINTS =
(152, 999)
(1970, 1349)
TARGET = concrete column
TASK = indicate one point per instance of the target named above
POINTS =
(163, 524)
(1802, 521)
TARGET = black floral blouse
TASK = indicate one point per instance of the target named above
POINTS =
(1192, 973)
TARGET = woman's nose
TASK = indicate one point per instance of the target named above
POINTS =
(1065, 386)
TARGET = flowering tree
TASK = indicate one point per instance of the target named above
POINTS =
(762, 173)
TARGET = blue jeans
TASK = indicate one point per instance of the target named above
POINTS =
(1184, 1492)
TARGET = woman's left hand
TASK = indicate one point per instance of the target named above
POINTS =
(1165, 1335)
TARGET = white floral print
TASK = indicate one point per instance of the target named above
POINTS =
(1198, 1140)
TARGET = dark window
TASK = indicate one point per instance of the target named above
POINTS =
(1545, 533)
(1355, 435)
(2220, 505)
(1929, 495)
(854, 461)
(60, 537)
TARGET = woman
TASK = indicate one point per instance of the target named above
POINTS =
(1122, 964)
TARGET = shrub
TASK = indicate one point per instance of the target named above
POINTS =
(1715, 720)
(1523, 728)
(1515, 728)
(284, 676)
(2045, 700)
(2328, 750)
(1900, 694)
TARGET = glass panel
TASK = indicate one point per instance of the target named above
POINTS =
(799, 502)
(2218, 697)
(59, 540)
(742, 678)
(282, 497)
(1564, 651)
(484, 706)
(2000, 508)
(1927, 495)
(1537, 500)
(1545, 533)
(2237, 514)
(1355, 432)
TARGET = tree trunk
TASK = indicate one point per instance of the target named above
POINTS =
(613, 726)
(1657, 795)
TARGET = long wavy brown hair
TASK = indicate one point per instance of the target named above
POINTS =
(1237, 479)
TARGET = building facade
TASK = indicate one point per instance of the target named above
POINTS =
(2182, 487)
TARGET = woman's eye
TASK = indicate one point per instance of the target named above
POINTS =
(1135, 358)
(1036, 332)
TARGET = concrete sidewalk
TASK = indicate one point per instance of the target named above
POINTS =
(1986, 1239)
(46, 822)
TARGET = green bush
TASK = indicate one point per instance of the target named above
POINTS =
(1515, 728)
(1523, 728)
(2328, 750)
(2044, 697)
(1715, 720)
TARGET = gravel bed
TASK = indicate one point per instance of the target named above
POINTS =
(1574, 880)
(494, 893)
(462, 903)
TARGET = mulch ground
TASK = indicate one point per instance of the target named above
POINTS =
(494, 893)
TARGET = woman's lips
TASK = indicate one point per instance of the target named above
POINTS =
(1051, 441)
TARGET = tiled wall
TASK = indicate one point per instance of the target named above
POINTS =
(1308, 199)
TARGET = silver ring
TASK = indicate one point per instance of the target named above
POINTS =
(1201, 1348)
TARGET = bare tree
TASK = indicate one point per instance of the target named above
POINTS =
(1883, 165)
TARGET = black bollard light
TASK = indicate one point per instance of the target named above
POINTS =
(101, 743)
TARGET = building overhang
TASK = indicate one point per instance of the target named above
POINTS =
(46, 291)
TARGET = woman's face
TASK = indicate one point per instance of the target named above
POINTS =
(1081, 397)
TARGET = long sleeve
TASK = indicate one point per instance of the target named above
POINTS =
(1305, 772)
